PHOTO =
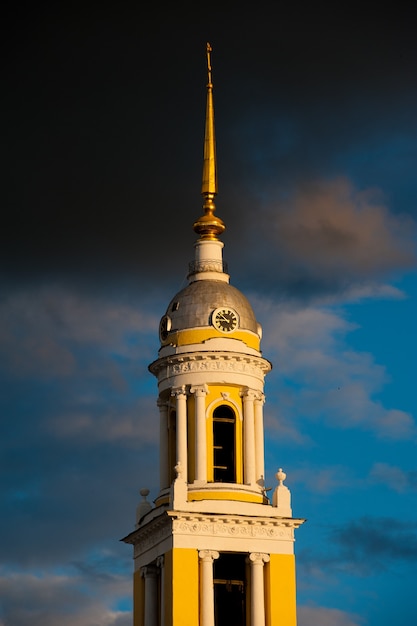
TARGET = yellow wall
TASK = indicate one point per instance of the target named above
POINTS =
(280, 598)
(168, 588)
(226, 495)
(185, 610)
(138, 599)
(200, 335)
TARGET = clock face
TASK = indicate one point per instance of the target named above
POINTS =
(164, 327)
(225, 319)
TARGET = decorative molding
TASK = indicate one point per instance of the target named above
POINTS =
(207, 265)
(215, 362)
(171, 523)
(151, 535)
(234, 528)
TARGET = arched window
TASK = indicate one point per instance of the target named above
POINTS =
(224, 437)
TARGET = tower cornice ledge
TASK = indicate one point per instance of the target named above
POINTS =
(214, 362)
(186, 529)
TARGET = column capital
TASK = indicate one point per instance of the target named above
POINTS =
(259, 557)
(208, 556)
(161, 403)
(249, 394)
(160, 561)
(259, 398)
(149, 571)
(178, 391)
(199, 390)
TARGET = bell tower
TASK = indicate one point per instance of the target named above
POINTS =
(213, 550)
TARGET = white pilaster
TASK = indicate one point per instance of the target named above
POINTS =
(150, 574)
(259, 440)
(181, 409)
(257, 601)
(163, 444)
(200, 392)
(249, 437)
(207, 588)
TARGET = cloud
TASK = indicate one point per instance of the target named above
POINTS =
(361, 291)
(134, 427)
(393, 477)
(369, 544)
(323, 480)
(318, 376)
(47, 598)
(325, 237)
(361, 547)
(330, 227)
(80, 424)
(322, 616)
(46, 331)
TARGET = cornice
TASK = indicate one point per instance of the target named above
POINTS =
(235, 362)
(209, 528)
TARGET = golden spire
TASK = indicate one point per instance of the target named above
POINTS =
(208, 226)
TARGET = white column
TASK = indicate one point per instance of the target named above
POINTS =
(207, 588)
(259, 440)
(257, 600)
(200, 392)
(150, 574)
(249, 437)
(181, 410)
(161, 564)
(163, 444)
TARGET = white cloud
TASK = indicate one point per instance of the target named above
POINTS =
(322, 616)
(318, 376)
(323, 480)
(393, 477)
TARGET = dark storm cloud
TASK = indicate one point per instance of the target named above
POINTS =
(369, 544)
(366, 545)
(332, 236)
(105, 124)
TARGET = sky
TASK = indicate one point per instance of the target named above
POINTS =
(103, 123)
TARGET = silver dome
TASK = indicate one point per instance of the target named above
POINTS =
(192, 306)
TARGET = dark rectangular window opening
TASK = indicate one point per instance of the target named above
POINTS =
(230, 589)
